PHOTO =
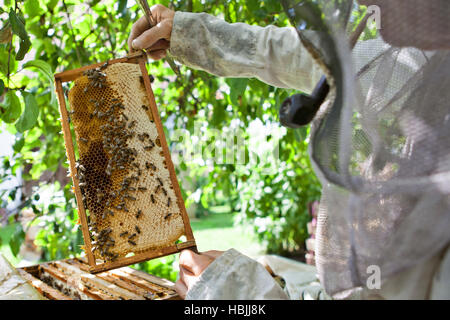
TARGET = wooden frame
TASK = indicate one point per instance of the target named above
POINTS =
(67, 76)
(73, 276)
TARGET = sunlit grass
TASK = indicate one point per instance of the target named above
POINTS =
(217, 232)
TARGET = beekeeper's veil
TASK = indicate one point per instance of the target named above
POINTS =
(381, 144)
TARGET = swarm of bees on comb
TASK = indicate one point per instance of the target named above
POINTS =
(122, 170)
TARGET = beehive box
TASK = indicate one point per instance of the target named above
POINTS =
(129, 202)
(70, 279)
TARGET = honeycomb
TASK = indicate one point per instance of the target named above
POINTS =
(124, 180)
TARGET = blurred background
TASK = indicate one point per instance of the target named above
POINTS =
(236, 203)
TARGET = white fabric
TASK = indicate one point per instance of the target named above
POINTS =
(301, 279)
(273, 55)
(277, 57)
(13, 286)
(228, 277)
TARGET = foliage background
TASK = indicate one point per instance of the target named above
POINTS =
(41, 37)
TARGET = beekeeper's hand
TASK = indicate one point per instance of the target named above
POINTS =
(192, 266)
(154, 40)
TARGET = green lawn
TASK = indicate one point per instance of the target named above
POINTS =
(217, 232)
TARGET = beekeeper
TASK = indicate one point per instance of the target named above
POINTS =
(380, 144)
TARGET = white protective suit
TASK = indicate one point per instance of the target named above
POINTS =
(276, 56)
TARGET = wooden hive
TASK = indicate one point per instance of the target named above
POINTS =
(129, 201)
(71, 280)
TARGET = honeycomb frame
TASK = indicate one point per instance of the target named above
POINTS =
(96, 264)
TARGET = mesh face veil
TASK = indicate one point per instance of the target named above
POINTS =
(421, 24)
(380, 144)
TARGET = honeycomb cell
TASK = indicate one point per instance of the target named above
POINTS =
(124, 179)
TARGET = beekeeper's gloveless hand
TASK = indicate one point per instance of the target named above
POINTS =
(155, 40)
(192, 266)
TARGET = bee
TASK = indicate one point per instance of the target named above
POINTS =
(104, 66)
(168, 202)
(157, 188)
(132, 236)
(123, 234)
(82, 184)
(160, 181)
(145, 107)
(164, 191)
(137, 229)
(138, 214)
(125, 116)
(152, 198)
(142, 188)
(167, 216)
(82, 168)
(132, 242)
(132, 124)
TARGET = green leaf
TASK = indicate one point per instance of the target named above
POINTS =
(7, 232)
(17, 25)
(219, 114)
(237, 88)
(32, 8)
(16, 240)
(46, 69)
(18, 145)
(29, 116)
(52, 4)
(10, 108)
(24, 47)
(122, 6)
(2, 87)
(41, 65)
